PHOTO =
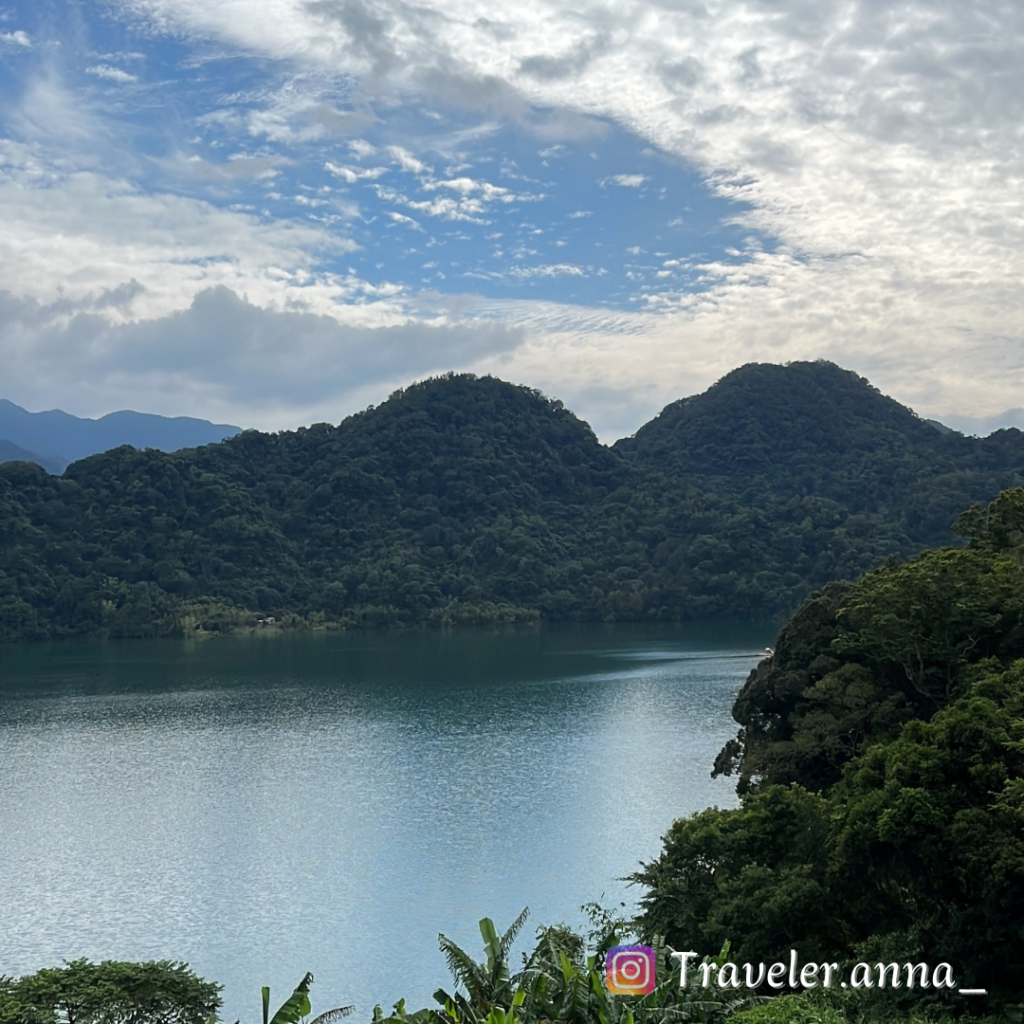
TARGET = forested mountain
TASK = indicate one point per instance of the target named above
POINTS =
(60, 437)
(466, 499)
(814, 429)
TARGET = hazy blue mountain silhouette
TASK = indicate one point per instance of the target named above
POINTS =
(10, 452)
(57, 435)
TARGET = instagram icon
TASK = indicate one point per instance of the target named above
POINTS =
(629, 970)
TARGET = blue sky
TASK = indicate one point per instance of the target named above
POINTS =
(430, 196)
(274, 212)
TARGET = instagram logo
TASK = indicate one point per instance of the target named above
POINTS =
(630, 970)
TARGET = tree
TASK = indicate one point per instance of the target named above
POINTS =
(757, 876)
(111, 992)
(490, 982)
(998, 527)
(928, 835)
(927, 618)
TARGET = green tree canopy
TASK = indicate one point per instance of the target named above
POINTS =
(111, 992)
(881, 771)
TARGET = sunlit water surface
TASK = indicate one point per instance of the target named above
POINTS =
(260, 807)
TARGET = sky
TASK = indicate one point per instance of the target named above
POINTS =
(276, 212)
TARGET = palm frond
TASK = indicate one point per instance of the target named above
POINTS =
(513, 930)
(332, 1016)
(464, 969)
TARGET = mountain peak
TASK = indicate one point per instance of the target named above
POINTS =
(442, 426)
(812, 427)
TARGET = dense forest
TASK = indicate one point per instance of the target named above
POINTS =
(464, 499)
(880, 763)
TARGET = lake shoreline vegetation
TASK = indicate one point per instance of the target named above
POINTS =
(469, 501)
(880, 754)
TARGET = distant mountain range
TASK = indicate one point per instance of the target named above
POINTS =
(54, 439)
(10, 452)
(465, 499)
(982, 426)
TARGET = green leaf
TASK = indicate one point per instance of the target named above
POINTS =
(296, 1006)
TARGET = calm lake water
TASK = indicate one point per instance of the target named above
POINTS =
(260, 807)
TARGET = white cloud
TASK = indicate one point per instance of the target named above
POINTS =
(121, 55)
(61, 122)
(400, 218)
(223, 356)
(237, 166)
(467, 208)
(361, 149)
(406, 160)
(471, 206)
(17, 38)
(74, 234)
(111, 74)
(778, 312)
(628, 180)
(879, 144)
(304, 108)
(466, 186)
(351, 175)
(548, 270)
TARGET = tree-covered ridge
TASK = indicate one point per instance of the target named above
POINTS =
(881, 771)
(465, 499)
(814, 429)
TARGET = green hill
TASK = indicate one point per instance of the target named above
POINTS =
(814, 429)
(465, 499)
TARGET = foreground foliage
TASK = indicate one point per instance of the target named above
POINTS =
(560, 984)
(111, 992)
(881, 769)
(297, 1007)
(465, 500)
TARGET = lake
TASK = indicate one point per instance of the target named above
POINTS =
(263, 806)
